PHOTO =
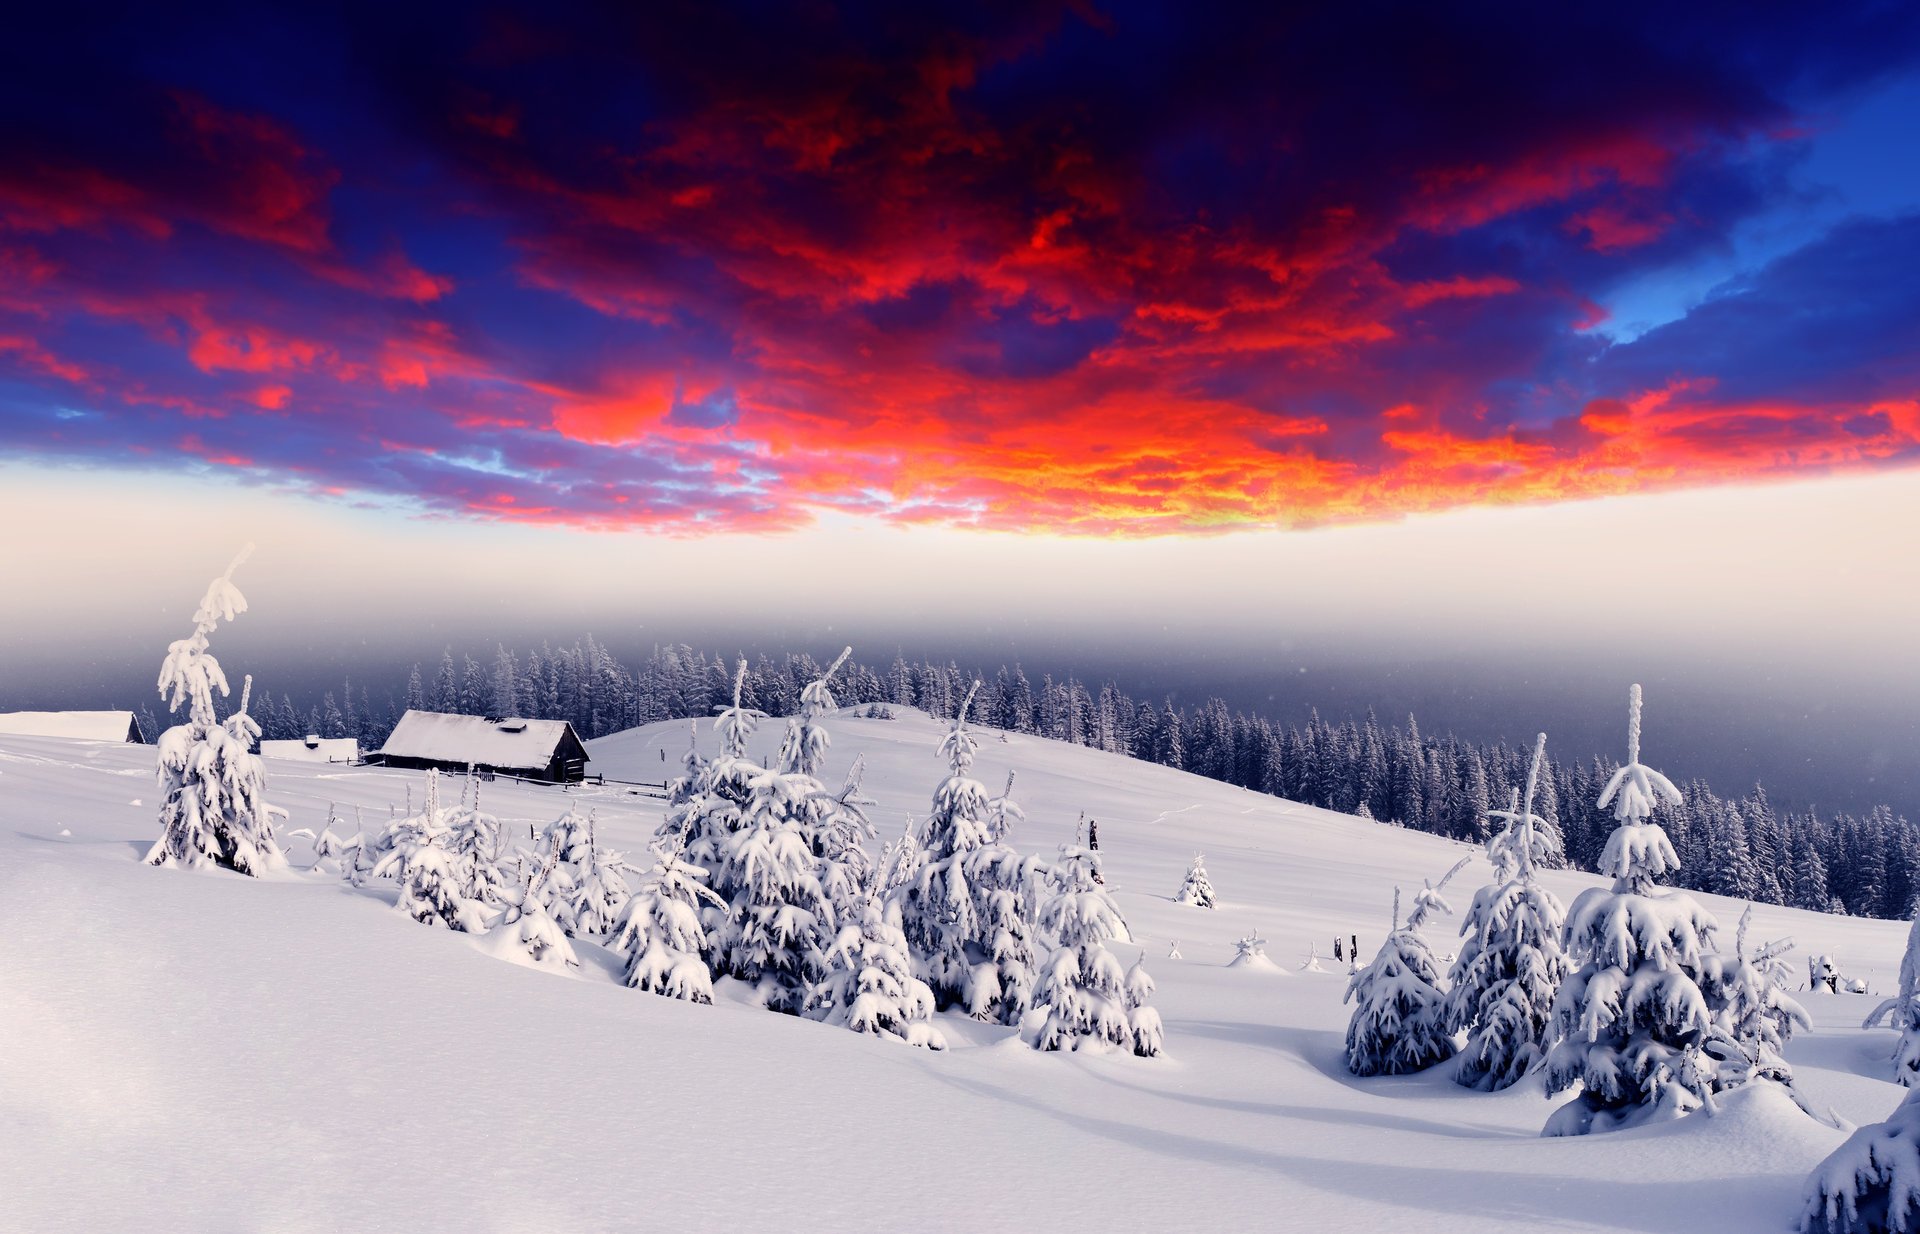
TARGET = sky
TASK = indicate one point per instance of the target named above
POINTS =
(1134, 337)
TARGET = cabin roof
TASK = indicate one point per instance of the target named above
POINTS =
(80, 725)
(509, 742)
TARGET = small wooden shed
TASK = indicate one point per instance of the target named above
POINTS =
(313, 749)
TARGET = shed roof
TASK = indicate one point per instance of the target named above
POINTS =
(510, 743)
(81, 725)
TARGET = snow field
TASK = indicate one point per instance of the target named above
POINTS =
(193, 1051)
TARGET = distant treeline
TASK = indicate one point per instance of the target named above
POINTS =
(1743, 847)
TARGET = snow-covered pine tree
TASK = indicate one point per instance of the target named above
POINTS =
(1399, 1020)
(1902, 1012)
(764, 830)
(705, 809)
(569, 835)
(841, 830)
(479, 851)
(1753, 1018)
(432, 886)
(870, 986)
(1510, 966)
(1197, 890)
(213, 806)
(588, 888)
(968, 910)
(661, 933)
(1250, 951)
(1871, 1183)
(806, 743)
(1003, 812)
(1006, 888)
(1630, 1022)
(528, 928)
(599, 887)
(328, 847)
(1149, 1036)
(900, 861)
(682, 788)
(1083, 989)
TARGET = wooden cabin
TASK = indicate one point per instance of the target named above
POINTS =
(532, 749)
(75, 725)
(313, 749)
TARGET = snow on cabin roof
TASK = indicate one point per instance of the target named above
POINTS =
(313, 749)
(80, 725)
(511, 743)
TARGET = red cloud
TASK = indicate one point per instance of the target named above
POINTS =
(863, 288)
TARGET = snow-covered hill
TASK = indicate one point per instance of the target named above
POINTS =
(187, 1051)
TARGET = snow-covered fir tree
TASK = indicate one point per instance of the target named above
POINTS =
(528, 927)
(759, 833)
(900, 860)
(589, 887)
(329, 848)
(1003, 812)
(569, 836)
(1250, 951)
(661, 934)
(870, 986)
(841, 831)
(432, 885)
(1006, 889)
(1083, 989)
(1510, 966)
(806, 742)
(1631, 1021)
(1902, 1012)
(1149, 1036)
(1753, 1017)
(479, 852)
(1197, 890)
(1399, 1022)
(213, 806)
(1871, 1183)
(600, 889)
(968, 911)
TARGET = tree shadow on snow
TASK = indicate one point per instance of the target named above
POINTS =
(1656, 1207)
(1325, 1050)
(1385, 1120)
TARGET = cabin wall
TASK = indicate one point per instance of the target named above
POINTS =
(551, 773)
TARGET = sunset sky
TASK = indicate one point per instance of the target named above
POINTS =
(1105, 269)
